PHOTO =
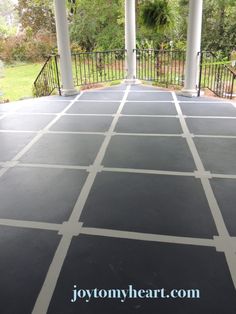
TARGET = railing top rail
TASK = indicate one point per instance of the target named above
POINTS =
(165, 50)
(91, 52)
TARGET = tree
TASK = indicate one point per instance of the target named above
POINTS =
(219, 19)
(98, 24)
(8, 18)
(156, 20)
(36, 15)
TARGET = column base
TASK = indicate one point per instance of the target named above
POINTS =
(69, 92)
(132, 81)
(189, 92)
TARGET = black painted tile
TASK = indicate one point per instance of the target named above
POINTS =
(197, 99)
(69, 149)
(99, 95)
(224, 190)
(87, 107)
(58, 97)
(150, 96)
(12, 143)
(82, 124)
(40, 194)
(212, 126)
(26, 255)
(107, 263)
(161, 153)
(43, 106)
(218, 155)
(115, 87)
(148, 125)
(149, 203)
(9, 106)
(145, 87)
(208, 109)
(149, 108)
(25, 122)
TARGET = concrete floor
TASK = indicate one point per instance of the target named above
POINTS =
(128, 185)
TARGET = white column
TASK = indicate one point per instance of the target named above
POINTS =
(63, 43)
(193, 47)
(130, 40)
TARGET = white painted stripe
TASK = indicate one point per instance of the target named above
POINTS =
(148, 134)
(147, 237)
(45, 295)
(215, 136)
(214, 207)
(46, 128)
(30, 224)
(52, 166)
(215, 210)
(210, 117)
(147, 171)
(223, 176)
(189, 140)
(50, 282)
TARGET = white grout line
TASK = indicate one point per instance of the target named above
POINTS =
(46, 128)
(76, 132)
(131, 91)
(146, 237)
(223, 176)
(214, 207)
(214, 136)
(38, 135)
(120, 133)
(10, 112)
(47, 290)
(148, 116)
(149, 101)
(45, 295)
(17, 131)
(56, 166)
(79, 229)
(30, 224)
(206, 101)
(9, 164)
(147, 171)
(148, 134)
(189, 139)
(210, 117)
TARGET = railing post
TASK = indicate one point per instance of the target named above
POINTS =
(232, 86)
(200, 74)
(57, 76)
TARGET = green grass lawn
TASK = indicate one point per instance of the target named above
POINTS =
(18, 80)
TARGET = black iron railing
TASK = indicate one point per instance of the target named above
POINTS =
(162, 66)
(88, 68)
(97, 67)
(165, 67)
(217, 75)
(48, 78)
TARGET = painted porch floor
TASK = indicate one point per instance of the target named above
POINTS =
(129, 185)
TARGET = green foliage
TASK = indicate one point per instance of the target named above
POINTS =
(219, 25)
(157, 15)
(26, 49)
(98, 24)
(37, 15)
(8, 19)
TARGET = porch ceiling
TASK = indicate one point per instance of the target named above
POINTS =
(118, 186)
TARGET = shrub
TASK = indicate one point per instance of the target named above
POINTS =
(26, 48)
